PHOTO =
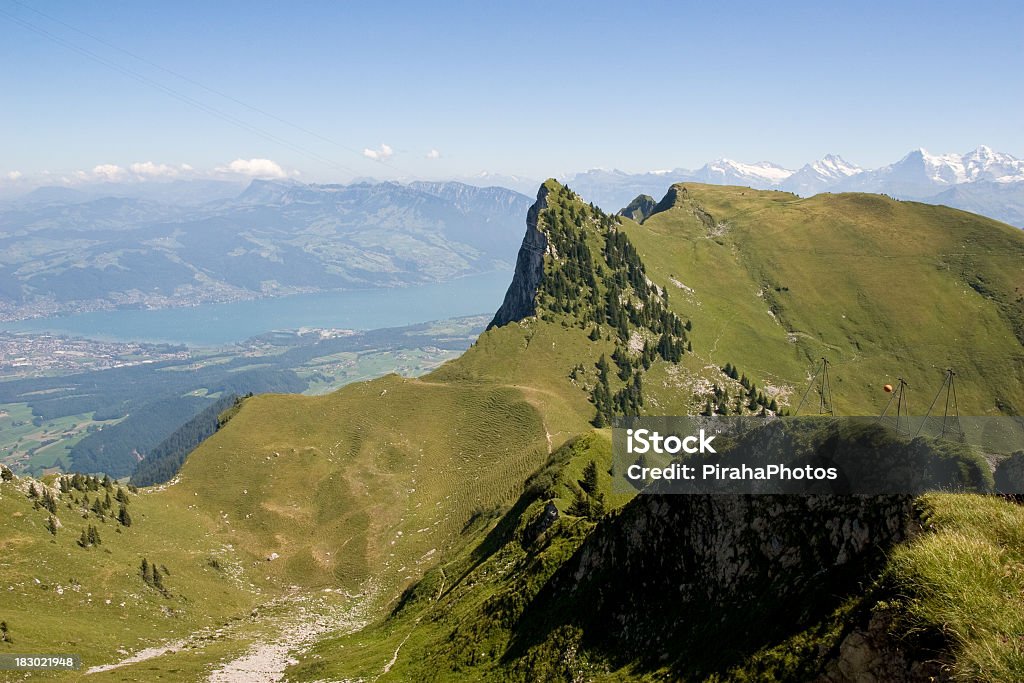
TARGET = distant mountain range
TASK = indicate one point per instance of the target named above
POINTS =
(191, 192)
(982, 181)
(65, 250)
(160, 244)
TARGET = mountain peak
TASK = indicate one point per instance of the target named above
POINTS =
(917, 155)
(760, 174)
(834, 166)
(640, 208)
(520, 298)
(267, 190)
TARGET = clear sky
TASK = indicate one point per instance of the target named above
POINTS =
(443, 89)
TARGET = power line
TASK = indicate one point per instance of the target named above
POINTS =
(188, 79)
(167, 90)
(203, 86)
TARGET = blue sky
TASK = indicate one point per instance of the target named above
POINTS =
(535, 89)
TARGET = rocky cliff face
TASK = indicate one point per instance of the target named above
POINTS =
(520, 299)
(700, 582)
(640, 208)
(675, 195)
(734, 547)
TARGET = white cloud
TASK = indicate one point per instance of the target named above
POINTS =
(381, 154)
(14, 176)
(108, 172)
(150, 170)
(433, 154)
(256, 168)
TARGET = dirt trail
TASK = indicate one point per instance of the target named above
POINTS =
(144, 655)
(283, 628)
(307, 620)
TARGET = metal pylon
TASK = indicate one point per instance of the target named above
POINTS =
(950, 420)
(902, 405)
(824, 390)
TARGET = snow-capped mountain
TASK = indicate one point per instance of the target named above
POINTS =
(819, 175)
(761, 175)
(985, 164)
(918, 175)
(614, 189)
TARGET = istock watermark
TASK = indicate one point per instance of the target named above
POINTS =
(817, 455)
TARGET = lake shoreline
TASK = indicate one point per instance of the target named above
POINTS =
(220, 324)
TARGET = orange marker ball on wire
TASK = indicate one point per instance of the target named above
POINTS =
(888, 388)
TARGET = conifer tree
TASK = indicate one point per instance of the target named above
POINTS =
(647, 356)
(158, 582)
(589, 483)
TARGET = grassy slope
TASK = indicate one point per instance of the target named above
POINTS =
(369, 481)
(883, 288)
(456, 623)
(965, 582)
(58, 597)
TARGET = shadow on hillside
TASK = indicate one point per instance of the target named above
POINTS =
(698, 584)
